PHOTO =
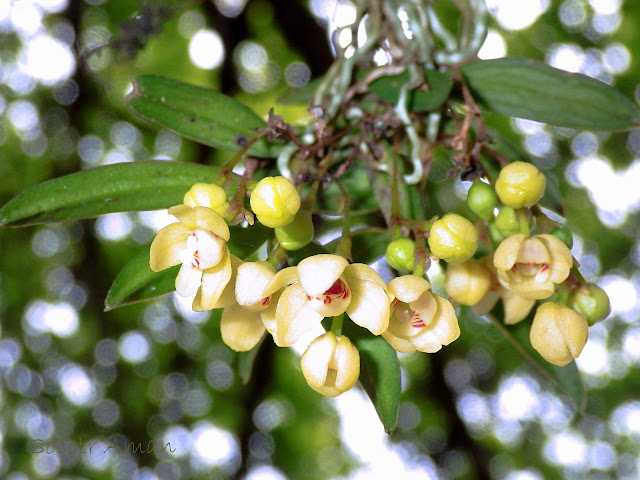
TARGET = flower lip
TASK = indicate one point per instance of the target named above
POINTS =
(332, 301)
(204, 249)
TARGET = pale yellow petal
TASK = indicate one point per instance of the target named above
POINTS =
(268, 315)
(408, 287)
(294, 317)
(316, 359)
(201, 217)
(400, 344)
(188, 280)
(533, 251)
(347, 364)
(506, 254)
(228, 296)
(362, 271)
(166, 247)
(283, 278)
(486, 304)
(516, 307)
(319, 272)
(369, 306)
(241, 329)
(214, 280)
(561, 258)
(443, 330)
(530, 286)
(253, 278)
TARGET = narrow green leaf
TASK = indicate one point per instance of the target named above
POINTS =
(428, 97)
(526, 89)
(379, 373)
(119, 187)
(566, 380)
(198, 113)
(136, 282)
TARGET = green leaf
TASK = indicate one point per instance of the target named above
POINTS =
(198, 113)
(119, 187)
(379, 373)
(244, 241)
(526, 89)
(566, 380)
(428, 97)
(246, 361)
(136, 282)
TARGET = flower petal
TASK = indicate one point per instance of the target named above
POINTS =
(268, 315)
(346, 360)
(294, 317)
(241, 329)
(486, 304)
(284, 277)
(253, 278)
(214, 280)
(369, 306)
(408, 288)
(516, 307)
(188, 280)
(228, 296)
(400, 344)
(316, 358)
(201, 217)
(506, 254)
(561, 258)
(442, 331)
(319, 272)
(166, 247)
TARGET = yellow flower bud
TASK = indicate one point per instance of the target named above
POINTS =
(467, 283)
(207, 195)
(275, 201)
(331, 365)
(558, 333)
(453, 238)
(520, 184)
(530, 266)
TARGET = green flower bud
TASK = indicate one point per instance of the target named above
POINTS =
(298, 233)
(275, 201)
(520, 184)
(509, 222)
(591, 302)
(482, 200)
(563, 234)
(453, 238)
(400, 254)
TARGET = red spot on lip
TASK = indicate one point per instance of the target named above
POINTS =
(544, 267)
(266, 301)
(418, 324)
(514, 268)
(336, 289)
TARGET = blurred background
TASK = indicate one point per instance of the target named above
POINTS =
(159, 372)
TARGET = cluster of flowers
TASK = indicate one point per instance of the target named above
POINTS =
(291, 302)
(525, 268)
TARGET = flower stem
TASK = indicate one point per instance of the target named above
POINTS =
(344, 247)
(336, 324)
